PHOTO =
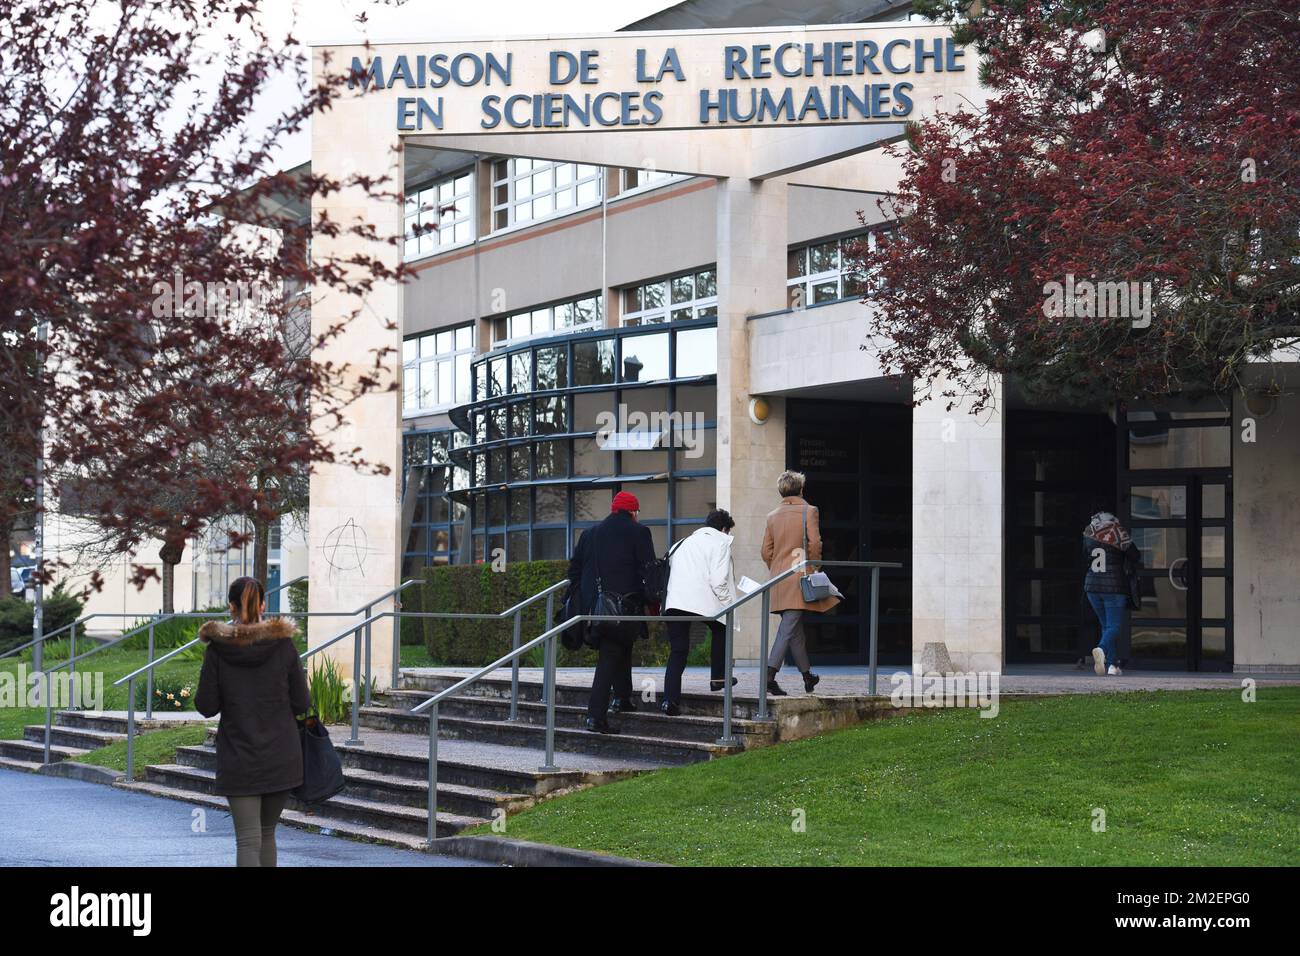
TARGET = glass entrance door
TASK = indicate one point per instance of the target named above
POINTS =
(1180, 515)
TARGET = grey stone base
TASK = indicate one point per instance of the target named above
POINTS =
(88, 772)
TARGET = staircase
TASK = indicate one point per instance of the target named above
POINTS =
(487, 765)
(72, 734)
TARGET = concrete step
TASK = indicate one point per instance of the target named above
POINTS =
(692, 704)
(371, 785)
(646, 722)
(371, 813)
(26, 766)
(568, 739)
(414, 766)
(32, 751)
(78, 737)
(321, 822)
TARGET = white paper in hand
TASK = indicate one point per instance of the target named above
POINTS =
(747, 585)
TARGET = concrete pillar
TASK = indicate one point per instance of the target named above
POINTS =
(355, 513)
(751, 242)
(1265, 549)
(957, 508)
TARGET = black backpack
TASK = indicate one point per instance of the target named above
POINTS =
(656, 577)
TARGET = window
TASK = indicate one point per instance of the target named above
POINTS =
(822, 272)
(436, 370)
(567, 316)
(434, 534)
(440, 214)
(637, 178)
(526, 190)
(690, 296)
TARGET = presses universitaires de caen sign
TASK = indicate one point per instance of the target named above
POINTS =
(701, 85)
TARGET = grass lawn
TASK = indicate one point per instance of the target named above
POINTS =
(1184, 778)
(156, 746)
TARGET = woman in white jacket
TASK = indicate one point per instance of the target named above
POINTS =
(701, 582)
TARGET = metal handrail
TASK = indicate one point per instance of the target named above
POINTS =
(358, 668)
(152, 663)
(549, 637)
(134, 616)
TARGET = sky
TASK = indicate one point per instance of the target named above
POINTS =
(334, 21)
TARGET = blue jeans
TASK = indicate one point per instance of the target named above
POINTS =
(1110, 610)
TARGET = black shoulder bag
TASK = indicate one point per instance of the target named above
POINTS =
(322, 770)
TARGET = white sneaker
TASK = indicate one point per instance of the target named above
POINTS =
(1114, 671)
(1098, 661)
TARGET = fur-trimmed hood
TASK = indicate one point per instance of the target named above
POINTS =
(246, 635)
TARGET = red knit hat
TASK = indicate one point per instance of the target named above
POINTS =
(625, 501)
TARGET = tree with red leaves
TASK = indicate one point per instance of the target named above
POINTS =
(132, 160)
(1125, 149)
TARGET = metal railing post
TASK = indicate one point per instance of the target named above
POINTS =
(514, 669)
(728, 739)
(368, 656)
(49, 711)
(148, 688)
(548, 688)
(72, 666)
(875, 607)
(397, 645)
(546, 626)
(355, 739)
(130, 729)
(432, 801)
(762, 656)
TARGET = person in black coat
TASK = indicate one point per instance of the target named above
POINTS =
(613, 557)
(253, 677)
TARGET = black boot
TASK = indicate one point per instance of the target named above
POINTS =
(599, 726)
(620, 706)
(810, 680)
(719, 684)
(773, 687)
(671, 709)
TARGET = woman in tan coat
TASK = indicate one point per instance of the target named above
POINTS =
(785, 545)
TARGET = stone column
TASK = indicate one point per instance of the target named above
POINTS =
(355, 515)
(957, 482)
(751, 230)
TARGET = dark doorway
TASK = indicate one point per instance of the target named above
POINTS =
(858, 459)
(1060, 469)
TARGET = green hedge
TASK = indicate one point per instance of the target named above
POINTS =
(16, 617)
(477, 589)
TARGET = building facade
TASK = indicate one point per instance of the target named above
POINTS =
(676, 314)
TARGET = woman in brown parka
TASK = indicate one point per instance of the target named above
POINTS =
(792, 532)
(253, 677)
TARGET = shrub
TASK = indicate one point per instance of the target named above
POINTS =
(298, 597)
(477, 589)
(17, 616)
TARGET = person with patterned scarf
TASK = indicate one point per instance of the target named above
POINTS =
(1112, 559)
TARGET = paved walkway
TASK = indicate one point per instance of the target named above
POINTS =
(838, 680)
(50, 821)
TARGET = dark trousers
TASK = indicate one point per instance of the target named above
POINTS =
(255, 819)
(613, 671)
(679, 639)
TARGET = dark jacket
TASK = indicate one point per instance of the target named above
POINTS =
(253, 677)
(618, 551)
(1118, 566)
